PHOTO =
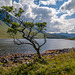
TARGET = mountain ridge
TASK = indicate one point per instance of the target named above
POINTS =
(69, 35)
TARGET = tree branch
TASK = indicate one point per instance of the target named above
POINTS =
(35, 34)
(18, 42)
(44, 41)
(36, 42)
(30, 30)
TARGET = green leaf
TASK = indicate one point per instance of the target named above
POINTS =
(11, 30)
(15, 25)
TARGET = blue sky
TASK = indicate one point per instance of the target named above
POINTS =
(57, 6)
(15, 0)
(59, 14)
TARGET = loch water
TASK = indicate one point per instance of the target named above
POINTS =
(7, 46)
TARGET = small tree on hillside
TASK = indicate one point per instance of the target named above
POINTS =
(22, 26)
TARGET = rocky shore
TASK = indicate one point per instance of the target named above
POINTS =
(26, 58)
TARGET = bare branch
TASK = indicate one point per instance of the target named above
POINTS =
(30, 30)
(23, 34)
(30, 40)
(21, 19)
(44, 41)
(19, 42)
(22, 29)
(35, 34)
(36, 42)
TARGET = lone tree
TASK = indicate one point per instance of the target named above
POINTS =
(21, 26)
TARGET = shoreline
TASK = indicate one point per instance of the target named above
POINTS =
(15, 59)
(52, 51)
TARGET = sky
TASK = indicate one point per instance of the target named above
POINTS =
(59, 14)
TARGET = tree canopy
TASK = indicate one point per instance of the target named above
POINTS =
(23, 25)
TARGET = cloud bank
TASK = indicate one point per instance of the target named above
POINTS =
(47, 14)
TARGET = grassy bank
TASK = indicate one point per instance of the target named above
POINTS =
(59, 64)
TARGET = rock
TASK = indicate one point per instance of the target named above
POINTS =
(26, 58)
(3, 65)
(16, 56)
(29, 56)
(27, 63)
(17, 61)
(4, 60)
(11, 58)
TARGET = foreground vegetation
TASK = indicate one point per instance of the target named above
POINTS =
(62, 64)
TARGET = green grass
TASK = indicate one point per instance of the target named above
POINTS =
(63, 64)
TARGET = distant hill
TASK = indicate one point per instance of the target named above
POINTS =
(72, 35)
(58, 36)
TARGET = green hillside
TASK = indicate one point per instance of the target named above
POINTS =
(5, 35)
(55, 36)
(3, 30)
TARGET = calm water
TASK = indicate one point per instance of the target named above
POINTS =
(8, 47)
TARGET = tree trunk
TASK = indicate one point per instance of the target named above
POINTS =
(39, 55)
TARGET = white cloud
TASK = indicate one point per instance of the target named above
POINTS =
(48, 2)
(59, 0)
(17, 5)
(64, 25)
(46, 14)
(41, 14)
(73, 30)
(5, 3)
(28, 2)
(68, 7)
